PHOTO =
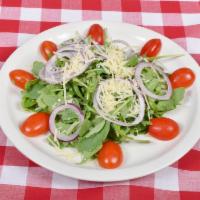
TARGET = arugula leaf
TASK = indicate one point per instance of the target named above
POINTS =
(28, 103)
(84, 127)
(40, 96)
(54, 143)
(134, 60)
(91, 145)
(154, 81)
(50, 96)
(37, 66)
(60, 62)
(120, 132)
(31, 93)
(163, 106)
(160, 107)
(96, 128)
(33, 87)
(67, 129)
(140, 128)
(68, 116)
(178, 95)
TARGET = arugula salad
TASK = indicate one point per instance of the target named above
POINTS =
(93, 93)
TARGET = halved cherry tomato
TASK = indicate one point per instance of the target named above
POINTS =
(96, 32)
(151, 48)
(163, 128)
(36, 124)
(47, 49)
(183, 77)
(20, 77)
(110, 156)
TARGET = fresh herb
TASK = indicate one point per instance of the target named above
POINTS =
(67, 122)
(37, 66)
(133, 61)
(31, 94)
(60, 62)
(170, 56)
(161, 107)
(40, 96)
(91, 145)
(154, 81)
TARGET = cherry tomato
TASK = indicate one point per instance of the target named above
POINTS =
(183, 77)
(20, 77)
(110, 156)
(47, 49)
(163, 128)
(151, 48)
(96, 32)
(36, 124)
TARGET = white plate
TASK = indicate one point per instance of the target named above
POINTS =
(139, 159)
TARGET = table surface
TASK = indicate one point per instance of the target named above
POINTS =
(20, 20)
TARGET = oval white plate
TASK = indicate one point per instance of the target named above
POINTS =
(139, 159)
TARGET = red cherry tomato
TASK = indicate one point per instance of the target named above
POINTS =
(183, 77)
(47, 49)
(96, 32)
(151, 48)
(36, 124)
(163, 128)
(20, 77)
(110, 156)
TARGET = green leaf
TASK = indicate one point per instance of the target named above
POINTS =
(160, 107)
(119, 131)
(91, 145)
(140, 128)
(154, 81)
(69, 116)
(31, 93)
(96, 128)
(178, 95)
(52, 142)
(84, 127)
(37, 66)
(49, 100)
(169, 56)
(132, 61)
(67, 129)
(49, 97)
(60, 62)
(163, 106)
(153, 84)
(27, 102)
(77, 91)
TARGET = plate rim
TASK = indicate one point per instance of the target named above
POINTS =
(101, 175)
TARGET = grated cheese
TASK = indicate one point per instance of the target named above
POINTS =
(115, 62)
(114, 92)
(75, 66)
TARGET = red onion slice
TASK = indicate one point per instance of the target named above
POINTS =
(52, 124)
(50, 78)
(124, 43)
(68, 54)
(67, 49)
(98, 107)
(54, 75)
(130, 50)
(138, 72)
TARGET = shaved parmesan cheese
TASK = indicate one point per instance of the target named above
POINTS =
(115, 62)
(75, 67)
(115, 92)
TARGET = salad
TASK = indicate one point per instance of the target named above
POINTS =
(93, 93)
